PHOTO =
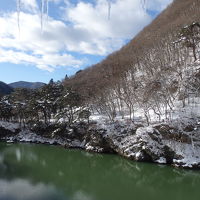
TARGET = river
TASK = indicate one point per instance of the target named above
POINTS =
(41, 172)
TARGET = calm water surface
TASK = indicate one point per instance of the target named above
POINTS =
(39, 172)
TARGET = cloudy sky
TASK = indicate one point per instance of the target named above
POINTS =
(75, 34)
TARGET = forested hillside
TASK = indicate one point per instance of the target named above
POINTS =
(5, 89)
(142, 102)
(153, 78)
(155, 71)
(164, 29)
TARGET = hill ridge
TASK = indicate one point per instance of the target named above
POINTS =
(26, 84)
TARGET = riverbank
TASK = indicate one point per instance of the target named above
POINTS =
(159, 143)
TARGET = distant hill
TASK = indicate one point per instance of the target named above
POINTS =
(28, 85)
(5, 89)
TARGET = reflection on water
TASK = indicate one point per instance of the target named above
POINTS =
(47, 172)
(23, 190)
(80, 195)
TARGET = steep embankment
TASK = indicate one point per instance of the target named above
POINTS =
(158, 143)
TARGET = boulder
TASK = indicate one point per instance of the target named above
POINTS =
(96, 141)
(8, 129)
(145, 145)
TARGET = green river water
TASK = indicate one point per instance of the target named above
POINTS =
(41, 172)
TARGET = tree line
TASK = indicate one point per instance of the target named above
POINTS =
(50, 103)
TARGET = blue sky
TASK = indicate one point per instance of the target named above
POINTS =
(75, 34)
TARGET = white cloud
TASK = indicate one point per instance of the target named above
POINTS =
(84, 28)
(31, 46)
(47, 62)
(127, 18)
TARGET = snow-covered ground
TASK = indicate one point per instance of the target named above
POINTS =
(9, 126)
(190, 153)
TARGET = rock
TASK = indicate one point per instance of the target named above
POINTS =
(189, 128)
(183, 164)
(149, 142)
(145, 145)
(166, 130)
(170, 133)
(95, 141)
(170, 155)
(78, 131)
(6, 132)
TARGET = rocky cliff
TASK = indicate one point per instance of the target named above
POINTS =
(160, 143)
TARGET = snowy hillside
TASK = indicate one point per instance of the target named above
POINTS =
(142, 102)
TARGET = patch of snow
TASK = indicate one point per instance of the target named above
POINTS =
(161, 160)
(9, 126)
(189, 154)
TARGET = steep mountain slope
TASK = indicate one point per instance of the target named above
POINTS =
(105, 74)
(154, 78)
(28, 85)
(5, 89)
